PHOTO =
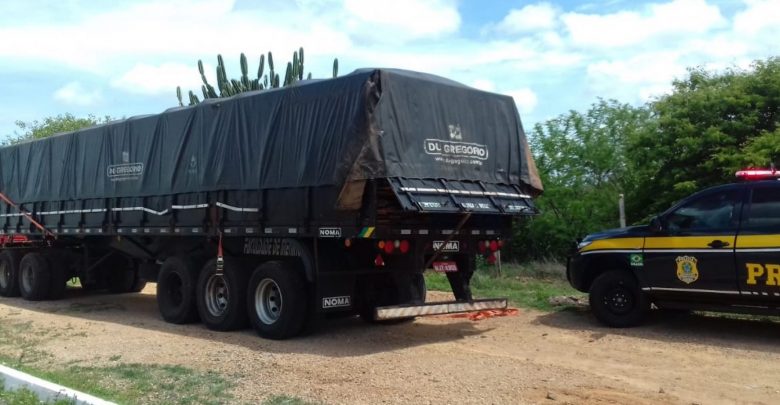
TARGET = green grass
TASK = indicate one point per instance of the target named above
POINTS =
(139, 383)
(24, 396)
(286, 400)
(528, 285)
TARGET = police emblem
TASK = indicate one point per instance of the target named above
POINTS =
(686, 269)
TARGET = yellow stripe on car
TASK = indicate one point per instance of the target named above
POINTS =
(758, 241)
(614, 244)
(686, 242)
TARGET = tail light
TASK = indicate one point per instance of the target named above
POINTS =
(404, 246)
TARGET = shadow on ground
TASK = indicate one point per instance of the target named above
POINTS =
(759, 333)
(331, 337)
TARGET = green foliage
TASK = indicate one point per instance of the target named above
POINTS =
(230, 87)
(711, 125)
(584, 168)
(52, 125)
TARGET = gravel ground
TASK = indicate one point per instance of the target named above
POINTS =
(534, 357)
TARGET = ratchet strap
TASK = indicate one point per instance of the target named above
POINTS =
(27, 215)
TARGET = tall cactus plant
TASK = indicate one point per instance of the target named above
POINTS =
(294, 73)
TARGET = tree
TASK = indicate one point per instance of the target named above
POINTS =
(711, 125)
(229, 87)
(582, 162)
(52, 125)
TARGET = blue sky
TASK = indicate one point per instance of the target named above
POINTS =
(124, 58)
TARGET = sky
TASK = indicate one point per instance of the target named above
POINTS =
(123, 58)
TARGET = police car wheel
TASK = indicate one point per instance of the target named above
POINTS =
(617, 301)
(276, 300)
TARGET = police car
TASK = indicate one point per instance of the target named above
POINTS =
(717, 250)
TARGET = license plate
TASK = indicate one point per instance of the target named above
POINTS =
(445, 267)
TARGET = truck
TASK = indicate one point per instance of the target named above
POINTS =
(275, 208)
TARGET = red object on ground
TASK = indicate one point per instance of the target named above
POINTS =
(491, 313)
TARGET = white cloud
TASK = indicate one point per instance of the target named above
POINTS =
(757, 16)
(525, 99)
(75, 94)
(484, 84)
(533, 17)
(159, 79)
(625, 28)
(404, 18)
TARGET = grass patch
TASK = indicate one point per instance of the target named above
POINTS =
(140, 383)
(23, 396)
(118, 382)
(528, 285)
(286, 400)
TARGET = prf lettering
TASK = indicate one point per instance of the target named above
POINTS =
(756, 271)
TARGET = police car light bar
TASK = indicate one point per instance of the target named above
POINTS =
(758, 174)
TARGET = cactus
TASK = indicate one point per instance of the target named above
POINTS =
(246, 85)
(271, 68)
(193, 98)
(300, 64)
(228, 87)
(288, 74)
(178, 95)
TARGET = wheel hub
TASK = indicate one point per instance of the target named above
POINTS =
(618, 300)
(217, 295)
(268, 301)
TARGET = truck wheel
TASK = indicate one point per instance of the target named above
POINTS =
(222, 299)
(406, 290)
(276, 300)
(617, 301)
(176, 290)
(123, 277)
(58, 267)
(34, 277)
(9, 273)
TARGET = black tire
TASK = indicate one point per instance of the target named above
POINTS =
(176, 290)
(58, 268)
(408, 289)
(121, 275)
(9, 273)
(222, 299)
(34, 277)
(277, 300)
(617, 301)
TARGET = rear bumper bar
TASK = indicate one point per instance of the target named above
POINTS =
(438, 308)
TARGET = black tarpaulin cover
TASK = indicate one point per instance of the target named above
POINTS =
(371, 123)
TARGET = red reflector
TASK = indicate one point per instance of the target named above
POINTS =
(404, 246)
(491, 259)
(493, 246)
(379, 261)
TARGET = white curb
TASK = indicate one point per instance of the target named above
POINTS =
(45, 390)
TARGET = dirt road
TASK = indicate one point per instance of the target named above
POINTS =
(547, 358)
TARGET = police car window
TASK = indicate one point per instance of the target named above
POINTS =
(764, 210)
(710, 212)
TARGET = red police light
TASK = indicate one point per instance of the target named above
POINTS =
(753, 174)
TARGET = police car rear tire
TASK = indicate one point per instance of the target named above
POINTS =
(277, 300)
(617, 301)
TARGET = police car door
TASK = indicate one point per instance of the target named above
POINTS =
(758, 244)
(694, 251)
